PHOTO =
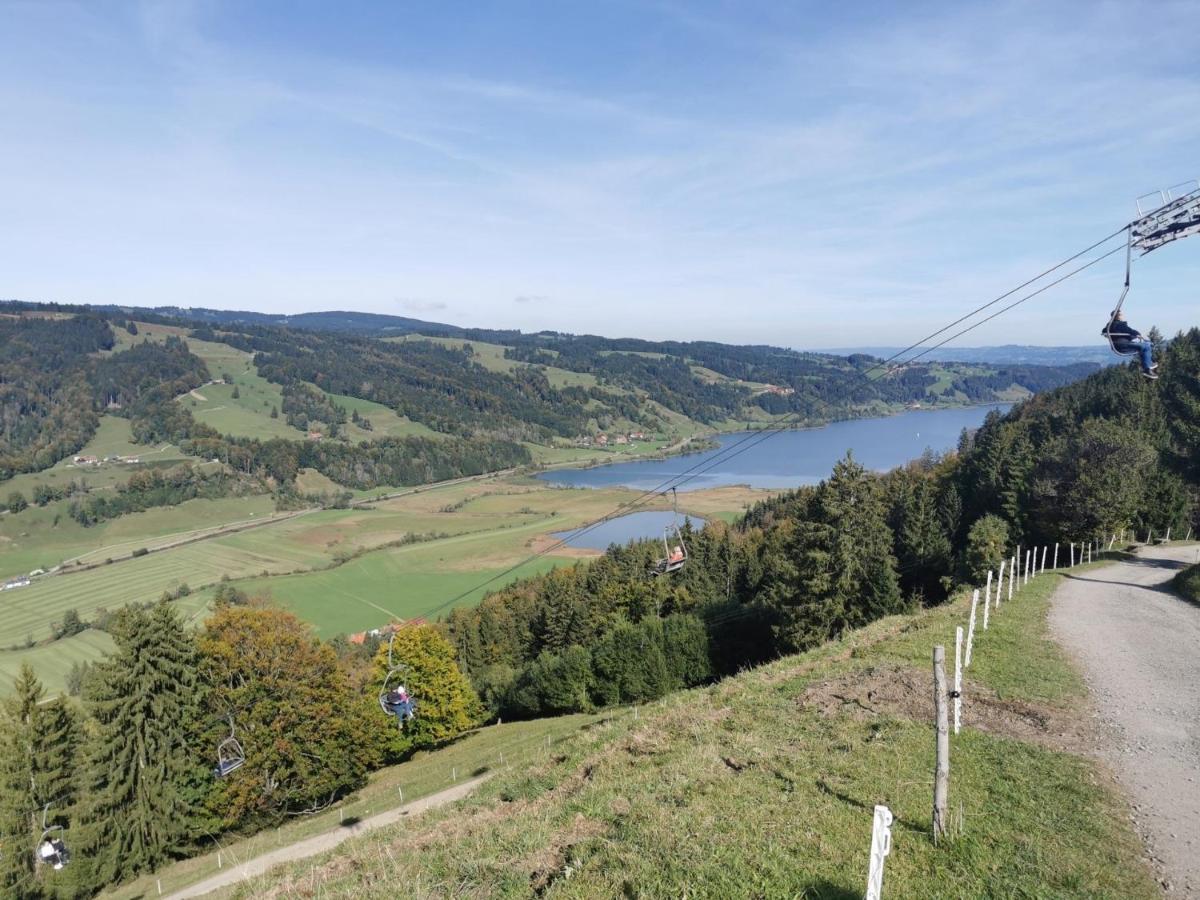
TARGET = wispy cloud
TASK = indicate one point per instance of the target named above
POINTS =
(734, 172)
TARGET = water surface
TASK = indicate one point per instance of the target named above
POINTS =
(623, 529)
(792, 458)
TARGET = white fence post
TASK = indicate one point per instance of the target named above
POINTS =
(971, 626)
(881, 846)
(1113, 541)
(1027, 555)
(1168, 534)
(1072, 554)
(1000, 582)
(1054, 565)
(1012, 572)
(1042, 570)
(987, 600)
(958, 639)
(1189, 534)
(1149, 534)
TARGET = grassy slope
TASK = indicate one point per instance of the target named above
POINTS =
(520, 745)
(1187, 583)
(743, 789)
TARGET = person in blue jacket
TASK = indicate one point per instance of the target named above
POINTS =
(1128, 341)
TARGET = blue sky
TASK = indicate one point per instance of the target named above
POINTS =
(808, 174)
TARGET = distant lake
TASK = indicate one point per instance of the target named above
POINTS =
(792, 458)
(624, 529)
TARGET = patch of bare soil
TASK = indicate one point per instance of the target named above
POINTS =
(908, 694)
(543, 542)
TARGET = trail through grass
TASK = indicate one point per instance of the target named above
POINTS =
(763, 786)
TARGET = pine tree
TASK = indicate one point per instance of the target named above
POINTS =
(141, 770)
(38, 749)
(17, 803)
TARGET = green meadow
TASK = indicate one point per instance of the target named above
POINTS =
(343, 570)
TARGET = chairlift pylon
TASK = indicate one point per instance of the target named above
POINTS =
(394, 698)
(673, 558)
(1163, 216)
(230, 754)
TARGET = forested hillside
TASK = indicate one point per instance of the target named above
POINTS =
(62, 367)
(1082, 462)
(127, 775)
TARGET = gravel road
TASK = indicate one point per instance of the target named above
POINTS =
(1138, 645)
(322, 842)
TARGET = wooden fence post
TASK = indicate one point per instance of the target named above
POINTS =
(941, 779)
(958, 640)
(971, 626)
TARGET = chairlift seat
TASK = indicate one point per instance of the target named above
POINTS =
(53, 852)
(230, 757)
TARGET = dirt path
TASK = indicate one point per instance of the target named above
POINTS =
(322, 842)
(1138, 647)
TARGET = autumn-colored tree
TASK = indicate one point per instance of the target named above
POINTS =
(304, 730)
(446, 703)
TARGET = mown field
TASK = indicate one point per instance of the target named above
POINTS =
(764, 784)
(344, 570)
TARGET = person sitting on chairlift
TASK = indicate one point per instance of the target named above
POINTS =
(676, 555)
(399, 701)
(1128, 341)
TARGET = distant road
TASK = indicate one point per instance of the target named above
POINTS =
(1137, 642)
(252, 868)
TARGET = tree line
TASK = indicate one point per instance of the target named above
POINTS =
(127, 773)
(1081, 462)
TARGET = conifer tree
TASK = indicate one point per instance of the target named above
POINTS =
(38, 748)
(141, 768)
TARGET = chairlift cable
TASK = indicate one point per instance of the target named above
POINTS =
(752, 439)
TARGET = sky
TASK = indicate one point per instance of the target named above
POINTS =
(805, 174)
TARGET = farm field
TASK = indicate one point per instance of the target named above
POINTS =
(491, 357)
(113, 438)
(52, 662)
(485, 527)
(384, 421)
(247, 415)
(34, 539)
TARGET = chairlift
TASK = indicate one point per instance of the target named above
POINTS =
(230, 754)
(1163, 216)
(674, 547)
(394, 698)
(51, 850)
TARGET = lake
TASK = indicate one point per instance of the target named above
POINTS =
(624, 529)
(792, 458)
